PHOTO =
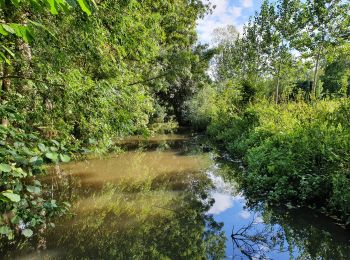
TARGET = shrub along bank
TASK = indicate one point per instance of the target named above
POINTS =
(294, 152)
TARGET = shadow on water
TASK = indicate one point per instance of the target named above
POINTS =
(260, 231)
(170, 200)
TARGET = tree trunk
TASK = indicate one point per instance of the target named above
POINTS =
(314, 90)
(5, 87)
(278, 82)
(6, 82)
(24, 67)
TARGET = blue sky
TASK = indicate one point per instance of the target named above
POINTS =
(235, 12)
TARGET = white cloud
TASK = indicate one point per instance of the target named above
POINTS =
(236, 11)
(224, 14)
(247, 3)
(220, 6)
(258, 220)
(222, 203)
(244, 214)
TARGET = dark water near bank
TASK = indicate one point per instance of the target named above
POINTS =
(171, 200)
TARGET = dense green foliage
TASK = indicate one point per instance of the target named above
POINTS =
(23, 202)
(294, 152)
(279, 103)
(121, 61)
(78, 75)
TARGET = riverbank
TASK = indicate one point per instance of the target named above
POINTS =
(294, 153)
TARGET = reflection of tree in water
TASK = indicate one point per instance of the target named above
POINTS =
(118, 222)
(302, 232)
(168, 227)
(314, 235)
(255, 241)
(299, 232)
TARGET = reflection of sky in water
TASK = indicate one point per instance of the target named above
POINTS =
(222, 203)
(230, 210)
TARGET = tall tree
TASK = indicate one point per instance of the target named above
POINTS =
(322, 25)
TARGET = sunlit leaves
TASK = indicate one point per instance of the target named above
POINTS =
(39, 25)
(23, 196)
(53, 8)
(84, 6)
(11, 196)
(6, 231)
(19, 30)
(5, 167)
(64, 158)
(52, 156)
(42, 147)
(23, 31)
(8, 28)
(27, 232)
(33, 189)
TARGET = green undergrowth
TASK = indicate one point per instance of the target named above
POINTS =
(294, 152)
(24, 202)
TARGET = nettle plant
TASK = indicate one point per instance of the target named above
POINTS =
(24, 202)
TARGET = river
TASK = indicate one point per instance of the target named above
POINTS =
(171, 198)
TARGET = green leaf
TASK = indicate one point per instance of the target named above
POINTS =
(42, 147)
(18, 172)
(8, 28)
(42, 27)
(8, 50)
(52, 156)
(53, 203)
(11, 196)
(27, 151)
(15, 2)
(64, 158)
(36, 160)
(55, 142)
(33, 159)
(3, 57)
(27, 232)
(84, 6)
(26, 34)
(3, 31)
(15, 219)
(92, 141)
(53, 149)
(18, 144)
(5, 167)
(33, 189)
(67, 204)
(53, 9)
(5, 230)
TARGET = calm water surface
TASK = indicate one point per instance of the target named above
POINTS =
(171, 200)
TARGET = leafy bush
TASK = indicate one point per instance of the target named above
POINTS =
(23, 202)
(294, 152)
(200, 109)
